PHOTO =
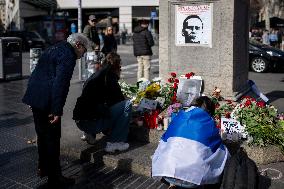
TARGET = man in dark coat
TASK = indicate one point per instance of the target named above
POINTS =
(46, 95)
(142, 43)
(91, 32)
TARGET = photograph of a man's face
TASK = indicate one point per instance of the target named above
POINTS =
(193, 25)
(192, 29)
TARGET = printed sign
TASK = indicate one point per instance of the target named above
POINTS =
(233, 129)
(189, 89)
(194, 25)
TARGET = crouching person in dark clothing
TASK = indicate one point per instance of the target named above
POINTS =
(46, 94)
(102, 106)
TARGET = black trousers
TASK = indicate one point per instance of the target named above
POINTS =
(48, 141)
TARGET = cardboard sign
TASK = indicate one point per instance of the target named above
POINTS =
(148, 104)
(232, 128)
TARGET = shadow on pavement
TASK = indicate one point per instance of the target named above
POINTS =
(274, 95)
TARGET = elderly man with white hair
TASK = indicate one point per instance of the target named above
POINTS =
(46, 94)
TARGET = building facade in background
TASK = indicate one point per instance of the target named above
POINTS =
(53, 18)
(123, 13)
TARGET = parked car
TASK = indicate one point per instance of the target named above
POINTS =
(30, 39)
(264, 57)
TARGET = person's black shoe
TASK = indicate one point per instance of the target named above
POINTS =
(60, 182)
(41, 173)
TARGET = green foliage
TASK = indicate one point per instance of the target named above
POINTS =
(167, 92)
(261, 122)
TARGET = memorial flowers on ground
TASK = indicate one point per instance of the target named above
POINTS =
(153, 97)
(261, 121)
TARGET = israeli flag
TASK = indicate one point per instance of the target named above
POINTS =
(191, 149)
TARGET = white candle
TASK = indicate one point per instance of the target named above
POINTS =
(166, 123)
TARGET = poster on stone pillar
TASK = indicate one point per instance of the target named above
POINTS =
(193, 25)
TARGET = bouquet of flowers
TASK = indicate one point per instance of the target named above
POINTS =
(169, 90)
(152, 91)
(260, 121)
(128, 90)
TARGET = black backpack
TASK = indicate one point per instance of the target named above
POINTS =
(240, 172)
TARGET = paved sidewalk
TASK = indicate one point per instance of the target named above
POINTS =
(18, 158)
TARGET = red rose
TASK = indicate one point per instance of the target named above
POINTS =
(173, 74)
(248, 103)
(189, 75)
(170, 80)
(175, 86)
(260, 104)
(176, 80)
(228, 115)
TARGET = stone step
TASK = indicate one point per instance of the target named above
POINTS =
(137, 159)
(143, 134)
(143, 142)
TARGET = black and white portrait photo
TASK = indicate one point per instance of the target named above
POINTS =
(192, 29)
(194, 25)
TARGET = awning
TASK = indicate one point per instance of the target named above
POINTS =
(275, 22)
(44, 4)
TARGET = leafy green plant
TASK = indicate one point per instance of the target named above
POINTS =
(260, 121)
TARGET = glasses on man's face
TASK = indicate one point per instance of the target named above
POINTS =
(109, 30)
(93, 21)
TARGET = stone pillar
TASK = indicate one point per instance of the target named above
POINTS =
(125, 19)
(222, 59)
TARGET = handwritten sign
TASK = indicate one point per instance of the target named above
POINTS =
(232, 129)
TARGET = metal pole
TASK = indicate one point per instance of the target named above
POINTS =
(80, 31)
(79, 16)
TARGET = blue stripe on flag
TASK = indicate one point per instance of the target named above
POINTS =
(195, 125)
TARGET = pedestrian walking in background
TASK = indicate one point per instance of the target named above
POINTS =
(265, 37)
(273, 37)
(91, 32)
(110, 44)
(142, 46)
(46, 94)
(103, 108)
(73, 28)
(279, 36)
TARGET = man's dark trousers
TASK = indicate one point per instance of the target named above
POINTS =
(48, 141)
